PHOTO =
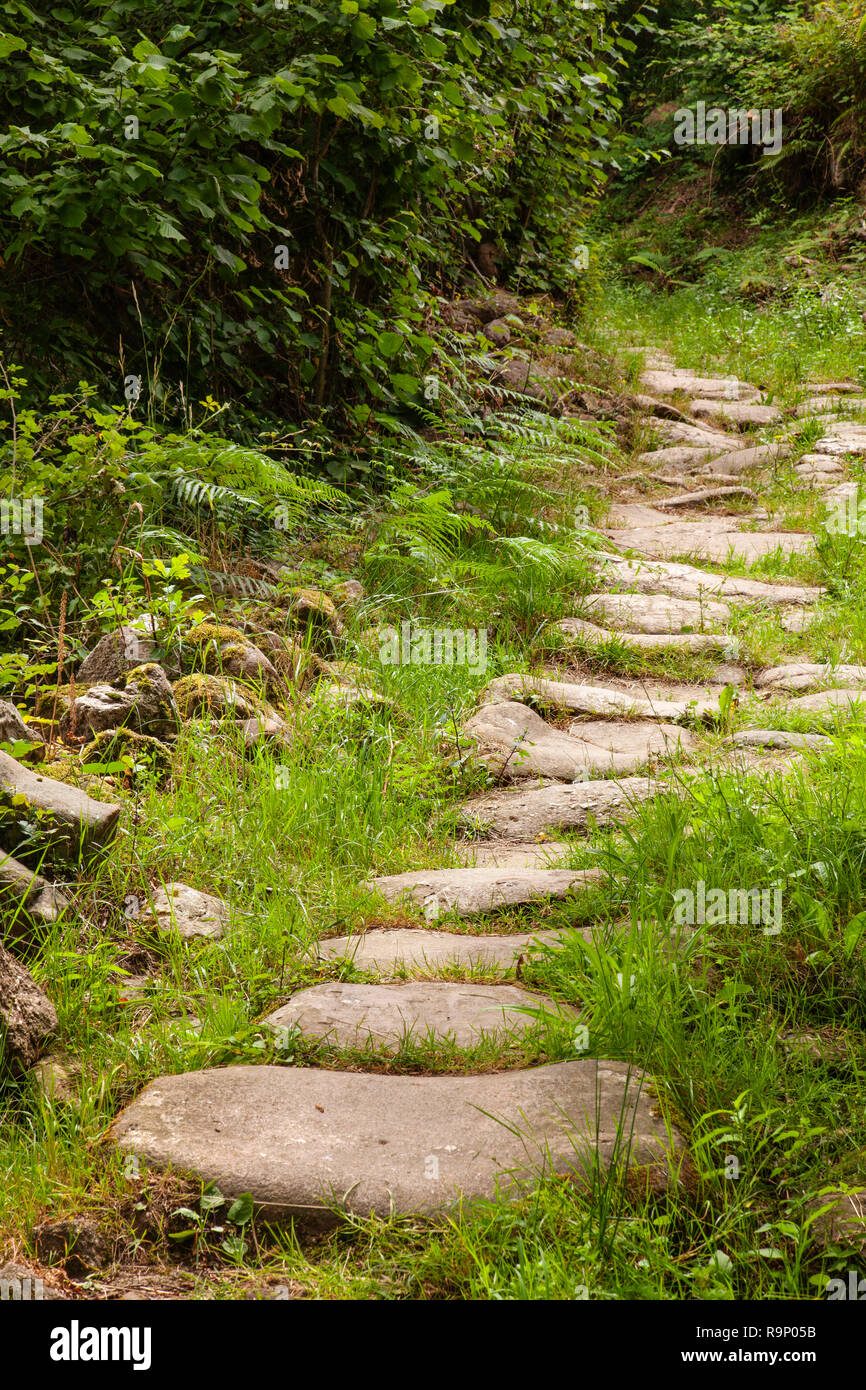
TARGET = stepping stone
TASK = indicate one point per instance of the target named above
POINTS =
(738, 412)
(679, 457)
(473, 890)
(186, 911)
(351, 1015)
(666, 383)
(686, 581)
(656, 613)
(806, 675)
(303, 1141)
(413, 949)
(824, 387)
(706, 494)
(778, 738)
(827, 700)
(645, 641)
(715, 538)
(76, 826)
(796, 620)
(675, 433)
(818, 466)
(516, 742)
(842, 437)
(822, 405)
(525, 813)
(596, 699)
(507, 855)
(740, 460)
(651, 406)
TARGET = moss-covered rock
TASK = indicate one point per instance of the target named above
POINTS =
(111, 745)
(225, 650)
(216, 696)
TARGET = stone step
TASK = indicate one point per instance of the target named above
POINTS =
(779, 738)
(513, 741)
(667, 382)
(71, 824)
(714, 538)
(656, 613)
(413, 950)
(304, 1142)
(353, 1015)
(808, 675)
(846, 701)
(822, 405)
(599, 700)
(679, 458)
(697, 437)
(507, 855)
(577, 629)
(689, 582)
(741, 460)
(738, 412)
(473, 890)
(514, 814)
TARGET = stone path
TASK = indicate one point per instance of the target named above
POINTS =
(565, 754)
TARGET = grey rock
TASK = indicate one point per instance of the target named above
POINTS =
(489, 307)
(657, 613)
(351, 1015)
(598, 700)
(187, 911)
(115, 654)
(577, 629)
(74, 824)
(13, 728)
(77, 1242)
(473, 890)
(826, 701)
(715, 538)
(305, 1142)
(779, 738)
(524, 814)
(738, 412)
(686, 581)
(498, 331)
(26, 894)
(840, 1219)
(807, 675)
(515, 742)
(507, 855)
(668, 381)
(409, 949)
(27, 1016)
(143, 700)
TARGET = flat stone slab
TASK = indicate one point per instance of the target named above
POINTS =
(714, 538)
(738, 412)
(78, 824)
(507, 855)
(480, 889)
(524, 814)
(304, 1141)
(842, 437)
(806, 675)
(187, 911)
(580, 630)
(720, 388)
(779, 738)
(351, 1015)
(679, 457)
(827, 700)
(516, 742)
(675, 433)
(822, 405)
(689, 582)
(656, 613)
(598, 700)
(410, 949)
(740, 460)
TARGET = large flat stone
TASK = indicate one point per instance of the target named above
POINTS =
(842, 437)
(689, 582)
(806, 675)
(303, 1141)
(656, 613)
(473, 890)
(177, 908)
(738, 412)
(675, 433)
(389, 952)
(714, 538)
(580, 630)
(74, 825)
(779, 738)
(524, 814)
(515, 742)
(351, 1015)
(678, 458)
(719, 388)
(508, 855)
(741, 460)
(598, 700)
(823, 701)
